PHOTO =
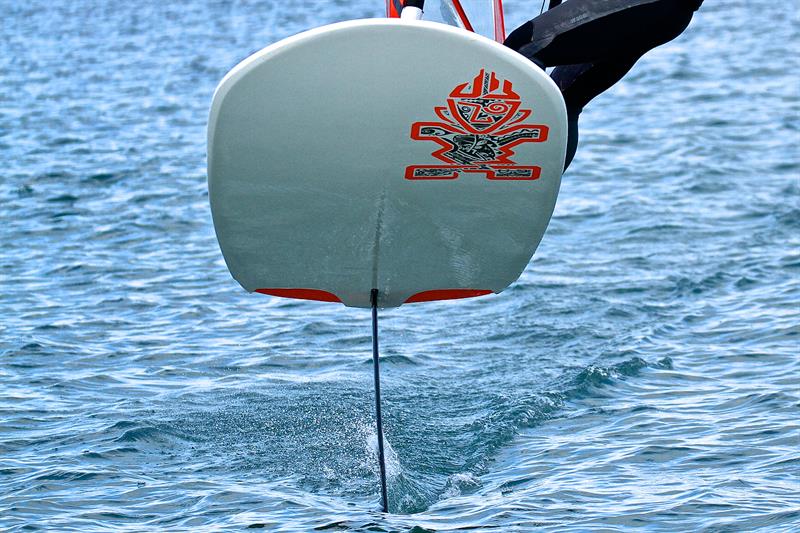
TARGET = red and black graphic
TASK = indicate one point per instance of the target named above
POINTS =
(480, 126)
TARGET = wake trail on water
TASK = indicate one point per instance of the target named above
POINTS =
(439, 441)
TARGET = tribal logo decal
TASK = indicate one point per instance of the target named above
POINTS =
(479, 127)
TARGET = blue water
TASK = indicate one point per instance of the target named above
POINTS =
(644, 371)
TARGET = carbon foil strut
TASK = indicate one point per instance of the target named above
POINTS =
(378, 419)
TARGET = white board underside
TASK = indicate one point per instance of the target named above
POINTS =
(318, 146)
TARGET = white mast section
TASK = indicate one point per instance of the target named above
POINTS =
(411, 13)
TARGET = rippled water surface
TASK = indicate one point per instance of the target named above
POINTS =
(642, 372)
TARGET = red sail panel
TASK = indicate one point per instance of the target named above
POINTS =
(393, 8)
(480, 16)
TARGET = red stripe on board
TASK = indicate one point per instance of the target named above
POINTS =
(446, 294)
(302, 294)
